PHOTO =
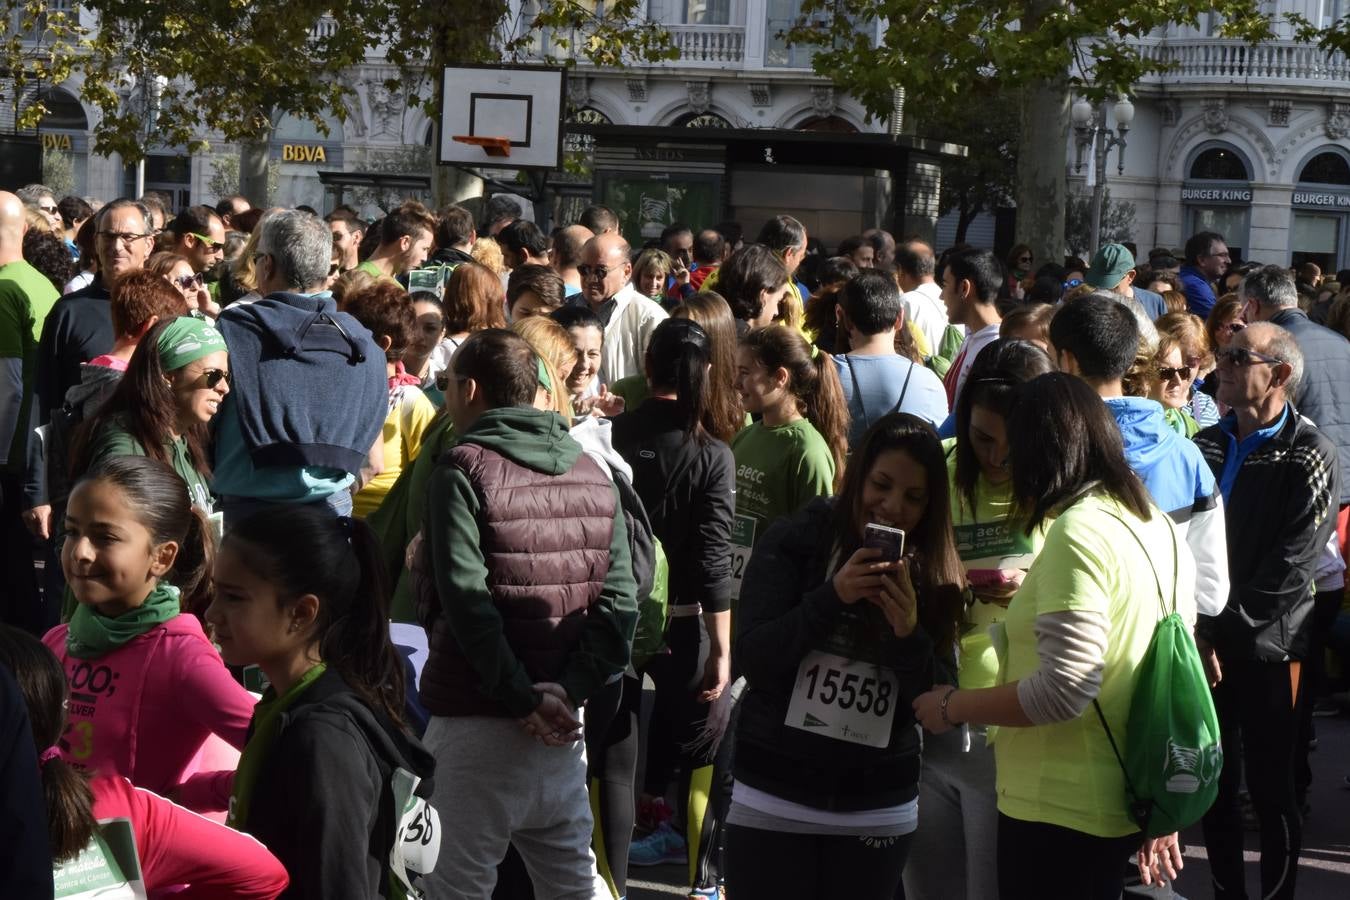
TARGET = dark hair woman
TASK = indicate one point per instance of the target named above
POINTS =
(835, 636)
(301, 594)
(995, 553)
(1076, 632)
(686, 478)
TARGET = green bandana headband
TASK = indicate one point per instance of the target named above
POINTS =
(542, 374)
(186, 340)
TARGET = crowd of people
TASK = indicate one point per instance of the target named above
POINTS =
(357, 559)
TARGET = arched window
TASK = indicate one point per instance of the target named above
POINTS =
(1219, 164)
(64, 112)
(1326, 168)
(833, 124)
(702, 120)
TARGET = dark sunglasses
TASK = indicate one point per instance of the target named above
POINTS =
(1183, 373)
(600, 272)
(213, 377)
(187, 281)
(1072, 283)
(443, 379)
(1243, 357)
(1024, 259)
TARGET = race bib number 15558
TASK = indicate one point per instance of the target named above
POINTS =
(844, 699)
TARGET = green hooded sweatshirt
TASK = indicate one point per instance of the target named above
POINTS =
(537, 440)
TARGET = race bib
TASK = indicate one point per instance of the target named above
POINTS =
(418, 842)
(742, 542)
(844, 699)
(109, 868)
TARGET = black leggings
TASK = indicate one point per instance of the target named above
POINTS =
(777, 865)
(611, 763)
(1036, 857)
(1258, 719)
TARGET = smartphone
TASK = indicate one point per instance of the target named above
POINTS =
(890, 541)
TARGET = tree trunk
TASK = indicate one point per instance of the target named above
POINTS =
(1042, 188)
(253, 159)
(965, 215)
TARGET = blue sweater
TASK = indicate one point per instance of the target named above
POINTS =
(308, 383)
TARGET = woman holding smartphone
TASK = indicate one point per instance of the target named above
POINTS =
(950, 851)
(835, 639)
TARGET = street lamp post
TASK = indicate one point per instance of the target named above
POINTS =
(1091, 131)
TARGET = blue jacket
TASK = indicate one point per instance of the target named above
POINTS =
(1182, 485)
(1151, 301)
(1324, 391)
(309, 382)
(1199, 295)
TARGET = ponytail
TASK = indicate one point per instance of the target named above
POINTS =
(678, 359)
(306, 550)
(195, 563)
(69, 800)
(813, 381)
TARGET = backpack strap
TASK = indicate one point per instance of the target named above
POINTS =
(853, 376)
(1141, 810)
(904, 389)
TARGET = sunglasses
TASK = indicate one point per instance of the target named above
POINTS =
(213, 377)
(49, 210)
(206, 241)
(600, 272)
(1182, 374)
(1072, 283)
(1024, 259)
(1233, 327)
(334, 269)
(1243, 357)
(187, 281)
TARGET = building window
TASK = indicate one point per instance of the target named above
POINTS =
(1326, 168)
(707, 12)
(1332, 12)
(1218, 164)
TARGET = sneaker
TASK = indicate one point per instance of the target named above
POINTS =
(711, 893)
(662, 847)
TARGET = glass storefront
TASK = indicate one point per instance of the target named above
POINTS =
(1217, 196)
(1321, 202)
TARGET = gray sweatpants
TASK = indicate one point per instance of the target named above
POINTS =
(954, 853)
(496, 785)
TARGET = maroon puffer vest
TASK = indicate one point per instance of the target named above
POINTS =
(545, 541)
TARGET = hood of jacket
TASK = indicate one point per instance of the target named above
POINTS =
(331, 696)
(450, 256)
(534, 438)
(596, 437)
(96, 382)
(1174, 475)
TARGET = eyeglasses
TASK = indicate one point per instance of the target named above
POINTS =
(187, 281)
(1224, 255)
(601, 272)
(126, 238)
(1072, 283)
(213, 377)
(49, 210)
(1182, 374)
(207, 241)
(1024, 259)
(1243, 357)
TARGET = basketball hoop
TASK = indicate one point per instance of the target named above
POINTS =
(492, 146)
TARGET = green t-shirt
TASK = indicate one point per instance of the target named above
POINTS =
(26, 296)
(633, 390)
(1065, 773)
(114, 440)
(778, 469)
(985, 540)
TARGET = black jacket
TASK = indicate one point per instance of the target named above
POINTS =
(787, 603)
(78, 328)
(26, 868)
(1324, 391)
(689, 492)
(322, 802)
(1279, 515)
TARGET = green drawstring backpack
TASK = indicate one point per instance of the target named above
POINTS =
(1173, 755)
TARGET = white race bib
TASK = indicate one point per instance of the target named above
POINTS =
(418, 842)
(109, 868)
(844, 699)
(742, 542)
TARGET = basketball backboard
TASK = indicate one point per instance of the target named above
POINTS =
(522, 104)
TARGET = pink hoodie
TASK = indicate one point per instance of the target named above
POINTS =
(177, 847)
(144, 710)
